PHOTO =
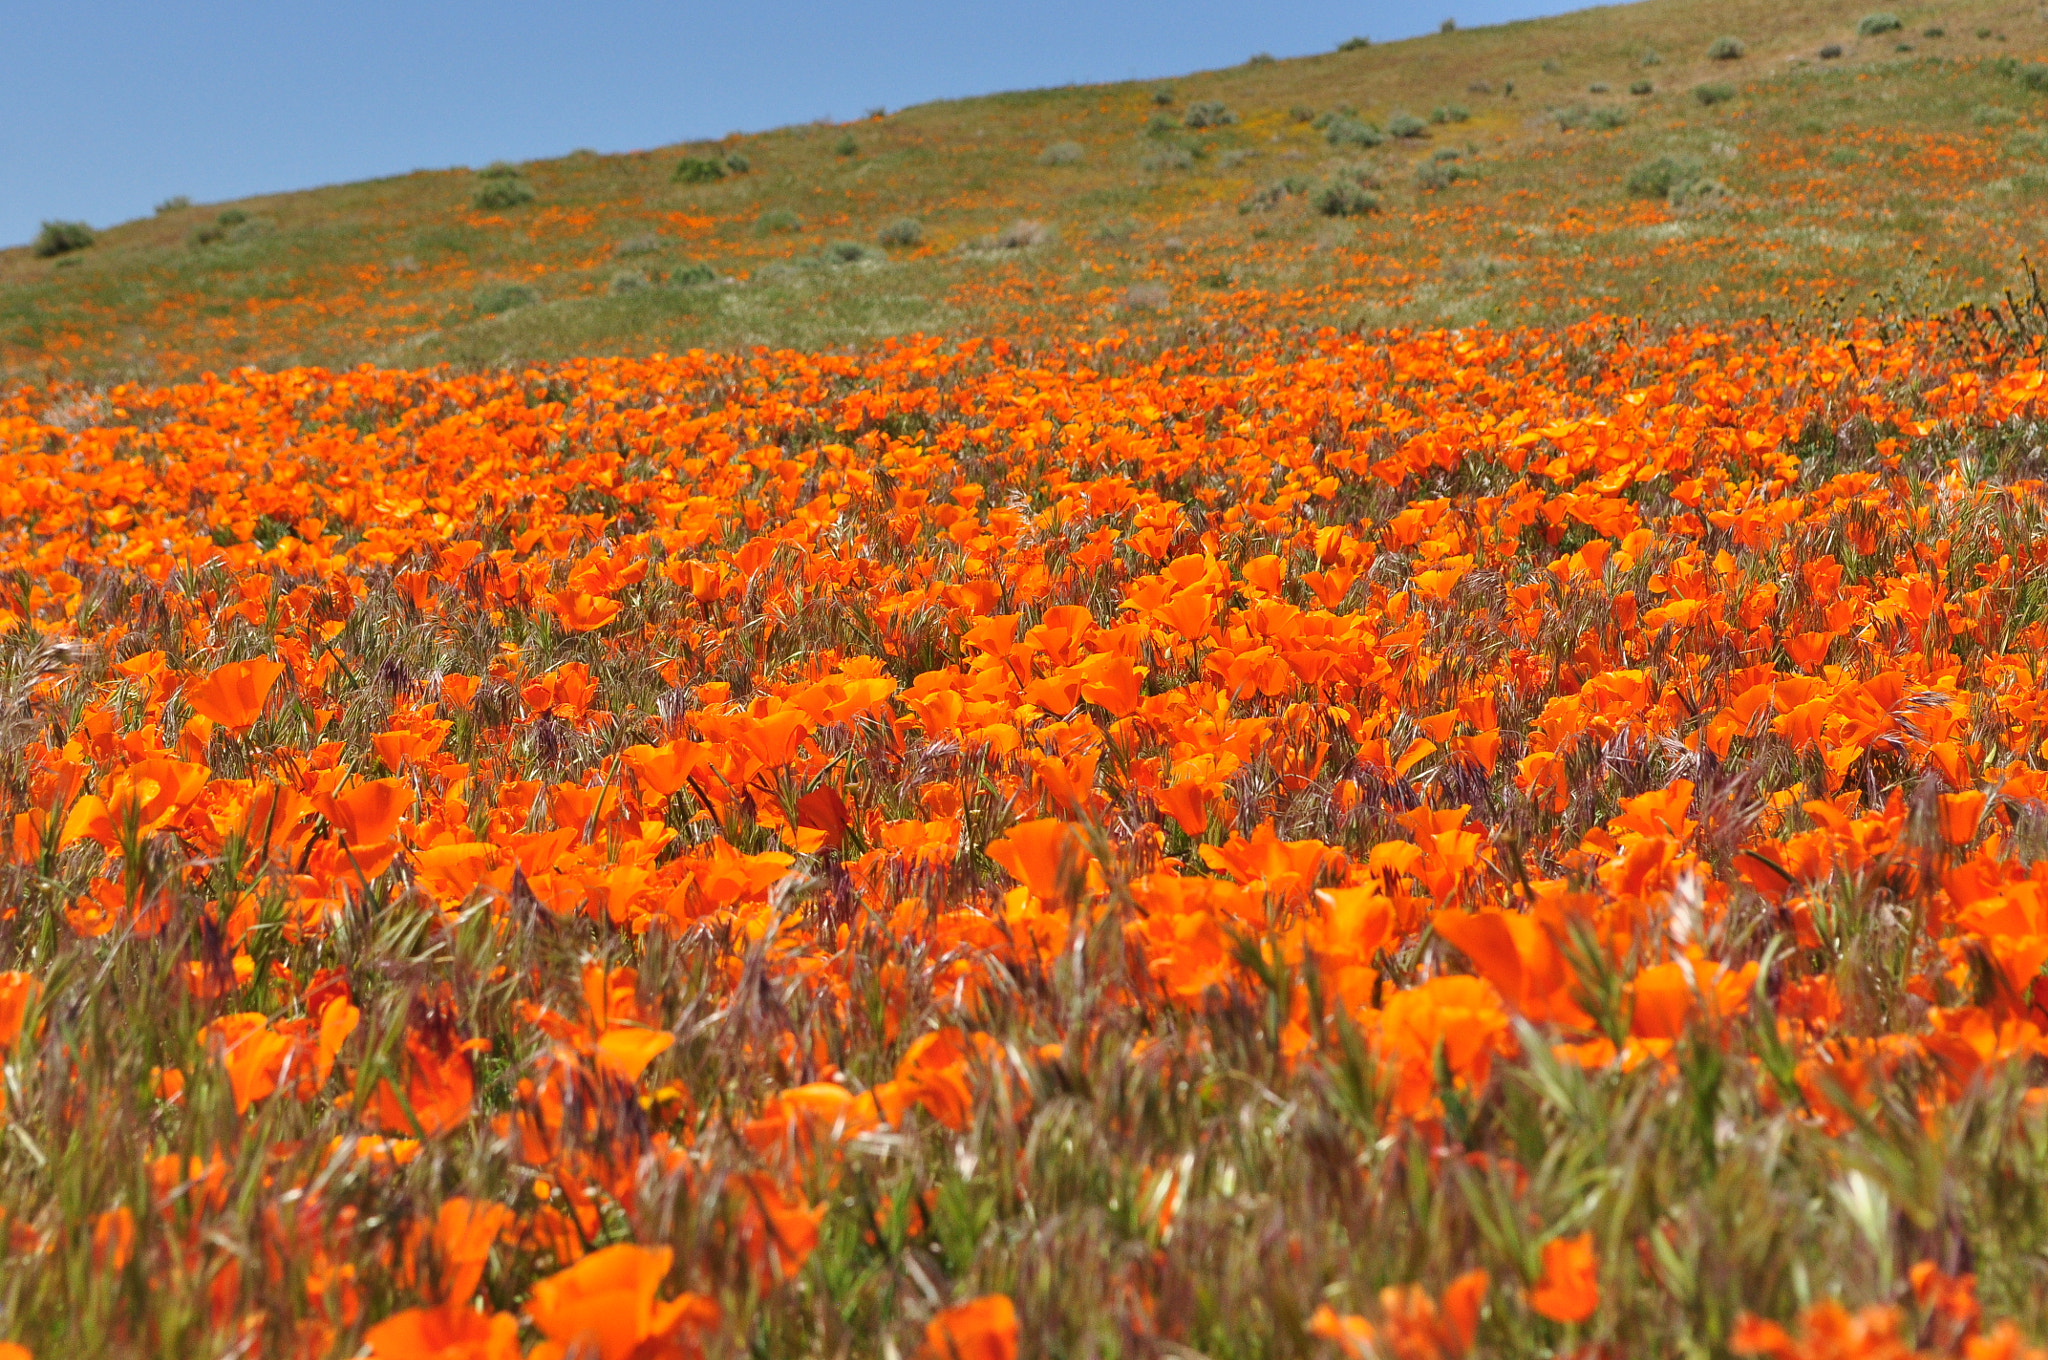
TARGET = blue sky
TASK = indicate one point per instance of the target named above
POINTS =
(109, 107)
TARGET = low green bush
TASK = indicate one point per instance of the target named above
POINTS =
(1726, 49)
(61, 238)
(902, 233)
(503, 297)
(1874, 24)
(1342, 198)
(1208, 113)
(1711, 95)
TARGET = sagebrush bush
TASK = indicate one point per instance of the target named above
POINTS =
(1172, 156)
(500, 186)
(1208, 113)
(61, 238)
(1354, 44)
(1342, 198)
(1830, 51)
(1062, 153)
(1450, 113)
(1661, 177)
(693, 275)
(1404, 124)
(1598, 118)
(1650, 57)
(1641, 87)
(846, 252)
(1344, 130)
(627, 281)
(777, 220)
(1163, 95)
(901, 233)
(175, 203)
(1711, 95)
(846, 146)
(698, 170)
(1726, 49)
(1874, 24)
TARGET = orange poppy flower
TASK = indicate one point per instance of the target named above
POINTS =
(980, 1329)
(1570, 1288)
(605, 1306)
(233, 695)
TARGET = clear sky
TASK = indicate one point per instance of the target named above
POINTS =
(109, 106)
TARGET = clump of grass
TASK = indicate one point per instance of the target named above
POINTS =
(175, 203)
(1712, 94)
(1062, 153)
(1441, 173)
(1830, 51)
(693, 275)
(1343, 198)
(902, 233)
(1597, 118)
(1172, 156)
(1162, 95)
(61, 238)
(1450, 113)
(1872, 25)
(1404, 124)
(1208, 113)
(846, 146)
(777, 222)
(1663, 176)
(846, 252)
(1726, 49)
(1344, 130)
(1641, 87)
(1271, 196)
(503, 297)
(1022, 234)
(500, 186)
(707, 169)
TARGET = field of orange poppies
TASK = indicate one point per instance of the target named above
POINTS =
(1256, 839)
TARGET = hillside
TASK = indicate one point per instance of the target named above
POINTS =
(1909, 165)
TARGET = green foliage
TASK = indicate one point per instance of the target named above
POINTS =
(1450, 113)
(1343, 130)
(1726, 49)
(1403, 124)
(503, 297)
(1830, 51)
(1874, 24)
(846, 252)
(175, 203)
(1663, 176)
(1062, 153)
(777, 221)
(699, 170)
(846, 146)
(1342, 198)
(500, 186)
(61, 238)
(1208, 113)
(1354, 44)
(694, 275)
(902, 233)
(1711, 95)
(1641, 87)
(1597, 118)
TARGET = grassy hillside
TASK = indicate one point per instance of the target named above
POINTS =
(1909, 164)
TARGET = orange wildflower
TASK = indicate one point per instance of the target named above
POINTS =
(1570, 1288)
(980, 1329)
